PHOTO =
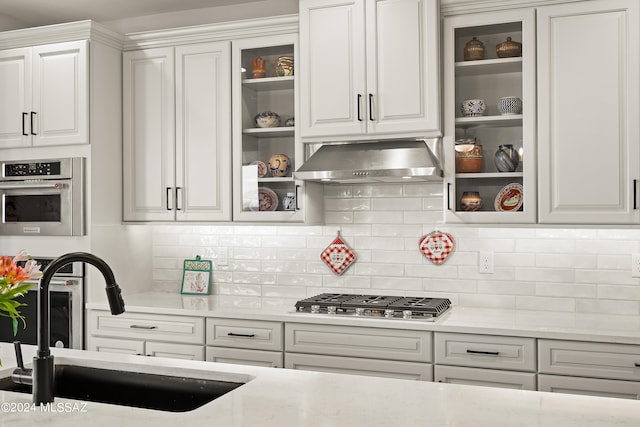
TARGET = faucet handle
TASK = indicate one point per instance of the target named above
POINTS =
(18, 348)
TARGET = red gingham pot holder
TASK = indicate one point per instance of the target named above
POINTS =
(338, 256)
(437, 246)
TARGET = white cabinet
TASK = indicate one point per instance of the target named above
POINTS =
(245, 342)
(177, 133)
(588, 109)
(45, 91)
(507, 195)
(369, 68)
(359, 350)
(487, 360)
(148, 334)
(589, 386)
(262, 193)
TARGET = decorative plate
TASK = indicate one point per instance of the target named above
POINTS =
(338, 256)
(268, 199)
(509, 198)
(262, 168)
(437, 246)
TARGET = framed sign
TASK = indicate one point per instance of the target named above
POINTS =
(196, 276)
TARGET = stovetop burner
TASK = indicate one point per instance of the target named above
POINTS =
(382, 306)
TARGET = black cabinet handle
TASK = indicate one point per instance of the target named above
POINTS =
(24, 117)
(297, 206)
(179, 200)
(490, 353)
(142, 327)
(371, 107)
(33, 114)
(637, 365)
(168, 196)
(359, 102)
(232, 334)
(448, 196)
(635, 194)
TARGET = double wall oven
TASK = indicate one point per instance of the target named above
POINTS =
(66, 293)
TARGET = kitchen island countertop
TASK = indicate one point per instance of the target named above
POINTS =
(492, 321)
(282, 397)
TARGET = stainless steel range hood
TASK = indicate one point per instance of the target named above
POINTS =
(382, 161)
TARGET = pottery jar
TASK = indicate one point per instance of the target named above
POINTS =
(506, 158)
(471, 201)
(473, 50)
(289, 202)
(279, 165)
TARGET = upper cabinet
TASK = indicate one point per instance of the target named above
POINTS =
(588, 110)
(490, 115)
(369, 69)
(45, 91)
(266, 143)
(177, 133)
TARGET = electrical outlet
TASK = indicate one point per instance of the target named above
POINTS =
(223, 256)
(635, 265)
(485, 262)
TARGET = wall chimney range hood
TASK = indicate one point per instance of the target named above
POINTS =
(381, 161)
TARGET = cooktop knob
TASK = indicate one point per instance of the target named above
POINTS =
(315, 309)
(359, 311)
(406, 314)
(332, 309)
(388, 313)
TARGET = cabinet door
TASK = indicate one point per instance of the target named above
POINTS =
(15, 87)
(485, 377)
(588, 112)
(203, 132)
(403, 94)
(333, 86)
(589, 386)
(60, 94)
(149, 135)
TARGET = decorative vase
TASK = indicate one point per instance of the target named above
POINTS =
(506, 158)
(471, 201)
(508, 49)
(284, 66)
(289, 202)
(279, 165)
(258, 70)
(473, 107)
(509, 105)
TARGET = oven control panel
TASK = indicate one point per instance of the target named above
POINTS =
(33, 169)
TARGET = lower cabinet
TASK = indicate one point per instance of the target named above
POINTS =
(486, 360)
(244, 342)
(598, 369)
(180, 337)
(394, 353)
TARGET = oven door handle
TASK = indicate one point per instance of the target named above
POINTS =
(56, 284)
(54, 186)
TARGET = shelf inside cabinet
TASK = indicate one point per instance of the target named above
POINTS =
(489, 175)
(269, 83)
(489, 66)
(270, 132)
(268, 179)
(506, 120)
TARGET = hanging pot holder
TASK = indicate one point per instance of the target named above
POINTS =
(338, 256)
(437, 246)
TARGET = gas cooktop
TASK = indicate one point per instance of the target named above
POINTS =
(376, 306)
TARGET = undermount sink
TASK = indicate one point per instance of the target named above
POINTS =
(141, 390)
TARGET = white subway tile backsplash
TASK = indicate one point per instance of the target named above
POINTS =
(535, 268)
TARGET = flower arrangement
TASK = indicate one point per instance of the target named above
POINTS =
(12, 286)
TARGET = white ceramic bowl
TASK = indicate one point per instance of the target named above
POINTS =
(473, 107)
(267, 119)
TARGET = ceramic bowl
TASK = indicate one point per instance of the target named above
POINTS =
(473, 107)
(267, 119)
(510, 105)
(279, 165)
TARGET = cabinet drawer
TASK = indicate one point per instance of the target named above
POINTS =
(587, 359)
(270, 359)
(589, 386)
(174, 351)
(376, 343)
(238, 333)
(360, 366)
(158, 327)
(485, 351)
(485, 377)
(114, 345)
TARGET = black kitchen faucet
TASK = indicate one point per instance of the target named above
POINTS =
(41, 377)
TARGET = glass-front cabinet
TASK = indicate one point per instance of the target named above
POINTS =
(266, 144)
(490, 141)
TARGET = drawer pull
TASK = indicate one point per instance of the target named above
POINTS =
(142, 327)
(490, 353)
(232, 334)
(637, 365)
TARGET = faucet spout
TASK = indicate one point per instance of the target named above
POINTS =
(43, 371)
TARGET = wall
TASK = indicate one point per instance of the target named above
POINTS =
(564, 270)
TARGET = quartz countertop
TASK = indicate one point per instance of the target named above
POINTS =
(524, 323)
(290, 398)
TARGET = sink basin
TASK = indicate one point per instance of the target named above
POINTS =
(141, 390)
